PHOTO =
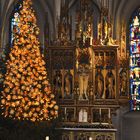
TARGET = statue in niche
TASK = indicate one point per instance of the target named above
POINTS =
(83, 84)
(83, 115)
(83, 67)
(110, 85)
(123, 83)
(58, 82)
(99, 85)
(99, 60)
(70, 114)
(68, 85)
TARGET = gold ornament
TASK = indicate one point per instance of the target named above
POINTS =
(29, 46)
(9, 97)
(52, 112)
(26, 99)
(17, 103)
(18, 75)
(14, 97)
(51, 105)
(37, 109)
(29, 103)
(17, 114)
(42, 101)
(33, 119)
(52, 96)
(23, 87)
(7, 90)
(25, 115)
(23, 101)
(40, 78)
(45, 115)
(53, 102)
(27, 89)
(56, 113)
(13, 105)
(39, 86)
(36, 103)
(3, 101)
(35, 114)
(12, 111)
(33, 110)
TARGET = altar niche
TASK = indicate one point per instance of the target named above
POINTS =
(63, 83)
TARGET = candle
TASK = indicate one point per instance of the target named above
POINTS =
(109, 114)
(47, 137)
(90, 138)
(100, 112)
(65, 110)
(91, 39)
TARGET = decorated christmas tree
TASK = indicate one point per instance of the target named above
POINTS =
(26, 91)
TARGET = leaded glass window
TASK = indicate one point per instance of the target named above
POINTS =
(15, 19)
(134, 38)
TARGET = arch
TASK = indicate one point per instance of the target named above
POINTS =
(43, 14)
(123, 12)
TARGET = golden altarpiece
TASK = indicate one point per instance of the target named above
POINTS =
(87, 76)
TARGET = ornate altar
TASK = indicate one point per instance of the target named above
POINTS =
(88, 134)
(87, 77)
(88, 115)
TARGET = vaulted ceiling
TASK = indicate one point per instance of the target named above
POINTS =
(120, 9)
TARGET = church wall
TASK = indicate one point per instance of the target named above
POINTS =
(122, 13)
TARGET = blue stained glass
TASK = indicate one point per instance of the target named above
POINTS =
(15, 19)
(135, 60)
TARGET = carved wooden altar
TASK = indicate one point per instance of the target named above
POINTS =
(91, 114)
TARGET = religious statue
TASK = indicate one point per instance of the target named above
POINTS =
(83, 84)
(83, 67)
(83, 115)
(110, 85)
(99, 60)
(58, 82)
(68, 81)
(123, 83)
(99, 85)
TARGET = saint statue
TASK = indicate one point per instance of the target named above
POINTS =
(84, 68)
(68, 81)
(83, 84)
(58, 82)
(110, 85)
(83, 115)
(123, 83)
(99, 85)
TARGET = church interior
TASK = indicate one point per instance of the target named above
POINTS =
(69, 69)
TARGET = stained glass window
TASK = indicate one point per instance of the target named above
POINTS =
(135, 60)
(15, 19)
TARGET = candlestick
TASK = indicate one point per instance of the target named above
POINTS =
(65, 110)
(109, 114)
(47, 137)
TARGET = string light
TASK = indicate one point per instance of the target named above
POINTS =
(27, 94)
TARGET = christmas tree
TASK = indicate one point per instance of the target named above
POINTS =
(26, 91)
